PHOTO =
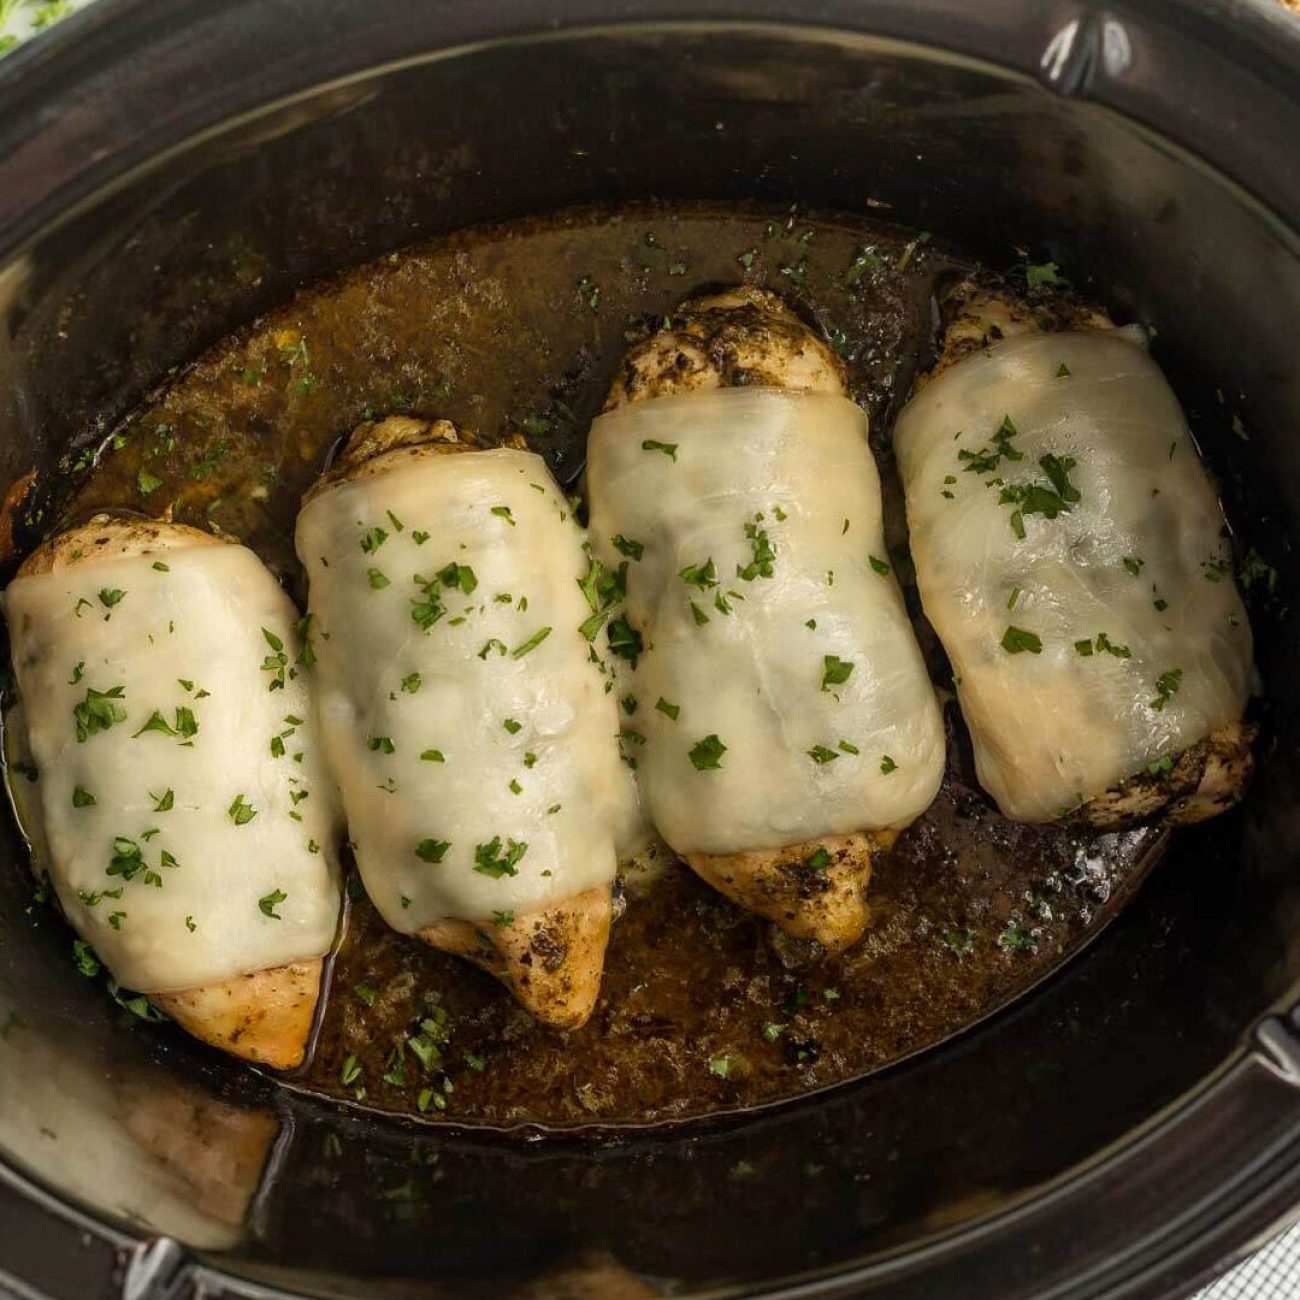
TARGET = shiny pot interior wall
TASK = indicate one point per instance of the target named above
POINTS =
(146, 1130)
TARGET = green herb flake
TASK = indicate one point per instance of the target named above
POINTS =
(98, 712)
(432, 850)
(626, 546)
(269, 902)
(433, 756)
(1167, 685)
(1045, 275)
(821, 755)
(887, 765)
(835, 671)
(377, 580)
(669, 710)
(961, 943)
(880, 566)
(82, 798)
(490, 860)
(720, 1066)
(241, 812)
(526, 647)
(669, 449)
(1015, 640)
(706, 755)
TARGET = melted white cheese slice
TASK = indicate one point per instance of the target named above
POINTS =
(193, 880)
(1140, 560)
(737, 472)
(472, 736)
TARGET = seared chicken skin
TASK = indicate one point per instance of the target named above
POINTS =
(1188, 782)
(264, 1014)
(747, 340)
(546, 944)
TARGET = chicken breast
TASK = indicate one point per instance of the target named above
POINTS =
(1071, 554)
(472, 735)
(786, 728)
(189, 834)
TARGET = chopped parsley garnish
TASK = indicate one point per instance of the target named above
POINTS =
(820, 754)
(1161, 764)
(1255, 569)
(351, 1071)
(746, 259)
(161, 567)
(147, 482)
(818, 860)
(720, 1066)
(1016, 939)
(164, 802)
(1045, 275)
(1133, 564)
(502, 919)
(489, 860)
(702, 576)
(241, 812)
(276, 662)
(835, 671)
(380, 744)
(411, 683)
(503, 512)
(83, 956)
(377, 579)
(707, 754)
(459, 576)
(525, 647)
(847, 747)
(512, 726)
(880, 566)
(669, 710)
(1017, 639)
(110, 596)
(669, 449)
(961, 943)
(98, 712)
(433, 756)
(1167, 685)
(127, 859)
(764, 552)
(366, 994)
(77, 673)
(373, 540)
(490, 645)
(432, 850)
(626, 546)
(1063, 371)
(418, 537)
(887, 765)
(625, 641)
(603, 589)
(82, 798)
(269, 902)
(987, 459)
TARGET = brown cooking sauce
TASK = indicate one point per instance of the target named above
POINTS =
(518, 328)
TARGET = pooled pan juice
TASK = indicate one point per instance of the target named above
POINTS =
(517, 330)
